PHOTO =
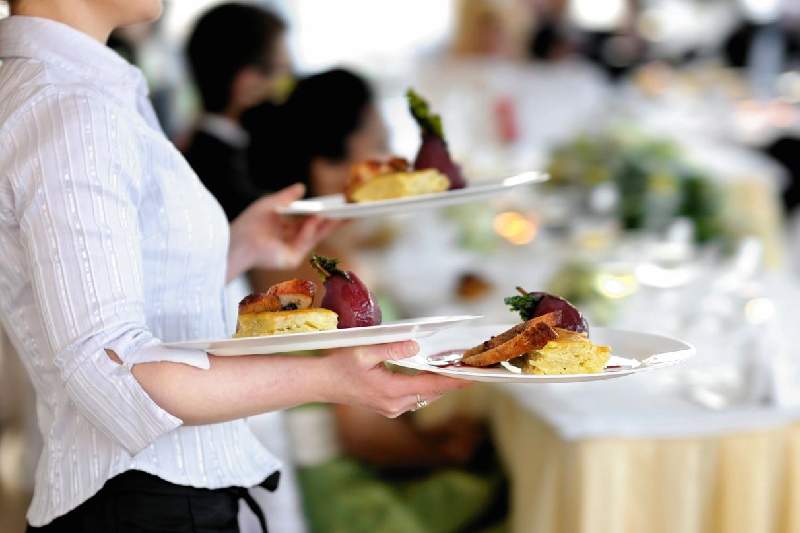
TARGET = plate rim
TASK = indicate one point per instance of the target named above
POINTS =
(522, 178)
(688, 352)
(329, 332)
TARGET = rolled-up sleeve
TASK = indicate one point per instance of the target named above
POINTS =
(77, 187)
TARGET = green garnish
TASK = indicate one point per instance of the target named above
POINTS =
(327, 267)
(525, 304)
(421, 112)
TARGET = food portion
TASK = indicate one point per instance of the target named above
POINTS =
(346, 295)
(553, 339)
(433, 152)
(517, 341)
(568, 353)
(533, 304)
(433, 170)
(283, 308)
(375, 179)
(287, 306)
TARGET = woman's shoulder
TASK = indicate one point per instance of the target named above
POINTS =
(46, 125)
(28, 93)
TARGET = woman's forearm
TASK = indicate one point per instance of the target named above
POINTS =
(234, 387)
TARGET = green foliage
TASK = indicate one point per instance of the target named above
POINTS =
(576, 281)
(525, 305)
(426, 119)
(327, 267)
(654, 183)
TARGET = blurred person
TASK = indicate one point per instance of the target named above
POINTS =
(112, 245)
(620, 50)
(363, 474)
(550, 37)
(329, 122)
(491, 29)
(145, 46)
(238, 58)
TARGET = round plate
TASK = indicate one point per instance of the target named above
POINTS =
(632, 352)
(322, 340)
(335, 206)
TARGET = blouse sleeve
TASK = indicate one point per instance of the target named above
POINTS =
(76, 189)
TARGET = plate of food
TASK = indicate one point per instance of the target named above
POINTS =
(552, 344)
(287, 318)
(394, 185)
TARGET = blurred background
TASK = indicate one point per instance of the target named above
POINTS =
(671, 131)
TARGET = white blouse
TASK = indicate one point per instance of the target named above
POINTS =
(108, 241)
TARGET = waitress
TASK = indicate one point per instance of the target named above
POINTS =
(110, 245)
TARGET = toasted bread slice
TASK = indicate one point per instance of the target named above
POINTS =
(533, 337)
(551, 319)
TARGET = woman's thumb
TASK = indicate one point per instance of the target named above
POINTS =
(376, 354)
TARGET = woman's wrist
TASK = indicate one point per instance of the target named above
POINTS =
(322, 382)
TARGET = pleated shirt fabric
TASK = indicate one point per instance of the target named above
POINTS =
(109, 241)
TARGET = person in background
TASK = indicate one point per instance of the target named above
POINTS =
(145, 46)
(238, 58)
(328, 122)
(491, 29)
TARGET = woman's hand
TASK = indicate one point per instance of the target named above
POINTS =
(356, 376)
(262, 238)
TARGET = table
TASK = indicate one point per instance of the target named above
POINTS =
(745, 482)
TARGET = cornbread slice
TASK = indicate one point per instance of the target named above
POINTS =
(399, 185)
(569, 353)
(278, 322)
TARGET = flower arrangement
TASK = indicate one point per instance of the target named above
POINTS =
(654, 184)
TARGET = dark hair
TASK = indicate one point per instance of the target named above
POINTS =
(226, 39)
(319, 116)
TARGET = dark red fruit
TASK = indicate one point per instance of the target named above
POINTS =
(433, 153)
(533, 304)
(347, 295)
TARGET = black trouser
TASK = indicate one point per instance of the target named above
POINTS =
(137, 502)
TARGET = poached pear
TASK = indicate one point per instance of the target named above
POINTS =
(346, 295)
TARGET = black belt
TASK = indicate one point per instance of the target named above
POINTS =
(99, 513)
(271, 484)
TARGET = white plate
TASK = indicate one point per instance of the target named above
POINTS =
(321, 340)
(335, 206)
(633, 352)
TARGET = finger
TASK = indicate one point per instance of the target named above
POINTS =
(287, 195)
(427, 399)
(426, 384)
(305, 233)
(306, 239)
(308, 234)
(412, 403)
(330, 225)
(374, 355)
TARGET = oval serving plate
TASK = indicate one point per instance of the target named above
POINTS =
(632, 352)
